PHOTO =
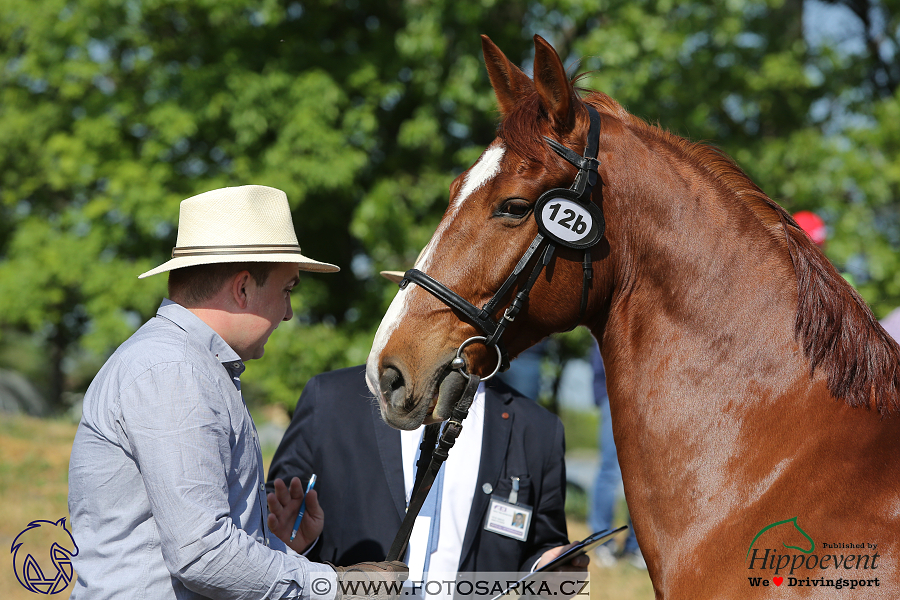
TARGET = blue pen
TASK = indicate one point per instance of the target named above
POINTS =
(309, 486)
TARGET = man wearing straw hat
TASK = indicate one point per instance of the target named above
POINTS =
(166, 487)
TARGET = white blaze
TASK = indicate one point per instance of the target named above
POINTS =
(483, 171)
(389, 323)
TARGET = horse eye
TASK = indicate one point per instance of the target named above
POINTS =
(516, 207)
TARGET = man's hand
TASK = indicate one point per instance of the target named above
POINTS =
(579, 563)
(283, 504)
(371, 580)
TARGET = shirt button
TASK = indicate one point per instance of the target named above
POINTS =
(262, 487)
(267, 541)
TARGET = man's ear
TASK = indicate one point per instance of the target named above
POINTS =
(239, 288)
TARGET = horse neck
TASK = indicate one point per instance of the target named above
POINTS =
(702, 283)
(699, 346)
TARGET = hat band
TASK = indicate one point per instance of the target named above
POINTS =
(218, 250)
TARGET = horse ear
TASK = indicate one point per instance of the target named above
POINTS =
(509, 82)
(556, 91)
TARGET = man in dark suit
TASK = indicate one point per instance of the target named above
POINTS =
(337, 433)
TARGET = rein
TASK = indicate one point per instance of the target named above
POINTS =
(583, 234)
(434, 457)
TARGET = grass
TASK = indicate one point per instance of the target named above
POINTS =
(619, 582)
(34, 461)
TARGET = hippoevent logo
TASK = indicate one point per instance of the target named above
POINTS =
(841, 564)
(42, 556)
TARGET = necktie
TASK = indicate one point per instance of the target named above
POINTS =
(432, 508)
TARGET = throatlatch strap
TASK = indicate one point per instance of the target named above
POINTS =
(437, 456)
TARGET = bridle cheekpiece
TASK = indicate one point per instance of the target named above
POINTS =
(565, 217)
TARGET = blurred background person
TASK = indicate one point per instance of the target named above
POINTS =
(813, 225)
(524, 373)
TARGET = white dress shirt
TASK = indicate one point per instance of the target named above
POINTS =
(460, 479)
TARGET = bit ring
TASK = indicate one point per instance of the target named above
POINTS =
(459, 363)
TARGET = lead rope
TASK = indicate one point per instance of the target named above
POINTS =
(437, 457)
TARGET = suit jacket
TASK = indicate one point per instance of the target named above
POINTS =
(337, 432)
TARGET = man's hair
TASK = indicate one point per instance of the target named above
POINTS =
(192, 286)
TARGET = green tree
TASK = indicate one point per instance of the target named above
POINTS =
(809, 114)
(112, 111)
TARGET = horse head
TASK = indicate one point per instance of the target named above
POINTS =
(487, 229)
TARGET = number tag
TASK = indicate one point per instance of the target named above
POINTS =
(568, 222)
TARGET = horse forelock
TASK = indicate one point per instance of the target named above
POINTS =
(523, 128)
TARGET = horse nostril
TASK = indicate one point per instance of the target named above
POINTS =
(392, 386)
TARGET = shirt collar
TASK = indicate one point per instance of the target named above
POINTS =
(195, 327)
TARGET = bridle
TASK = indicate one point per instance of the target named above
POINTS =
(577, 200)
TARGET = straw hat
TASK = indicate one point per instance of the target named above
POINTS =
(250, 223)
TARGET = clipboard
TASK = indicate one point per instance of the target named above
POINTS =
(582, 547)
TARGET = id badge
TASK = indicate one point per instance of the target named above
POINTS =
(511, 520)
(508, 517)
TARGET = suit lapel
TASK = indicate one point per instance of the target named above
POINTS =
(388, 440)
(494, 444)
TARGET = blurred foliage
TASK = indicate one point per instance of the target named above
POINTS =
(112, 111)
(581, 430)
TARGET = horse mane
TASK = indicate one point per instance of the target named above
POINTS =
(838, 330)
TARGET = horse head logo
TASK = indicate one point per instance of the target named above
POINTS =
(786, 532)
(42, 556)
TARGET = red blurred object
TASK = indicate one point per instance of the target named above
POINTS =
(813, 225)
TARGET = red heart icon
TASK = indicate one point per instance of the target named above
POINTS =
(778, 580)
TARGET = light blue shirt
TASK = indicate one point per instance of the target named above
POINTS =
(166, 487)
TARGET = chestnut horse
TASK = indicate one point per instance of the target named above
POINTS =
(754, 396)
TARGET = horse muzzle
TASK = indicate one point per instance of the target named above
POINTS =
(401, 410)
